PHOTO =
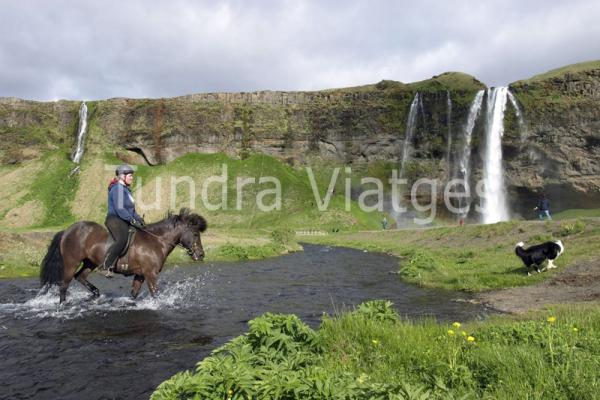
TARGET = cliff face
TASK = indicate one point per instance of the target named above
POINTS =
(556, 152)
(29, 127)
(560, 152)
(349, 125)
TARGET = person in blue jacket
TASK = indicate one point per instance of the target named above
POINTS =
(543, 207)
(121, 215)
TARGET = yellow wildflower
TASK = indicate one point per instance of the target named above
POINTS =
(456, 325)
(463, 333)
(470, 339)
(551, 319)
(575, 329)
(450, 332)
(230, 392)
(375, 342)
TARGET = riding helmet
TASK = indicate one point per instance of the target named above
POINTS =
(124, 170)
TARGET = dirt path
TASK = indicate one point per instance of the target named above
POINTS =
(579, 283)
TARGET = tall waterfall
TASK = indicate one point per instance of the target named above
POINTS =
(81, 132)
(411, 127)
(464, 166)
(495, 207)
(449, 133)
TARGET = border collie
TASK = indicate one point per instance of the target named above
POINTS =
(534, 256)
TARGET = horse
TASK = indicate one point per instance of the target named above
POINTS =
(85, 244)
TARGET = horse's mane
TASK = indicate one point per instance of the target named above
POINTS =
(172, 221)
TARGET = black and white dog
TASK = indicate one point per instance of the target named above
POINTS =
(534, 256)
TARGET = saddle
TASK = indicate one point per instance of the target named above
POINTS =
(123, 260)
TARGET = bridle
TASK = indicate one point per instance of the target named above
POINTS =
(190, 250)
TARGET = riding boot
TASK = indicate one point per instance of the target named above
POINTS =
(106, 268)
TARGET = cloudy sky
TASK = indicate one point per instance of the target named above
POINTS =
(100, 49)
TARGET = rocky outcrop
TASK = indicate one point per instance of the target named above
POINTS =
(560, 152)
(26, 127)
(350, 125)
(557, 152)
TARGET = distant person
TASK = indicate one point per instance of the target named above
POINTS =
(384, 223)
(543, 208)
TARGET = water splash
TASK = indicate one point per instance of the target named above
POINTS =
(177, 294)
(411, 127)
(81, 133)
(495, 208)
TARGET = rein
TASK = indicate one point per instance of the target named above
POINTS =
(164, 241)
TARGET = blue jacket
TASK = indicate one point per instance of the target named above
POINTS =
(544, 204)
(120, 203)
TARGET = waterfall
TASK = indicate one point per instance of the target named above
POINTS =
(495, 208)
(519, 113)
(411, 127)
(464, 166)
(81, 132)
(449, 123)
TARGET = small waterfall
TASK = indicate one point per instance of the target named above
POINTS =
(449, 124)
(411, 127)
(81, 132)
(495, 207)
(464, 166)
(519, 113)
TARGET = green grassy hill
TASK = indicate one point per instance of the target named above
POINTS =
(567, 69)
(43, 193)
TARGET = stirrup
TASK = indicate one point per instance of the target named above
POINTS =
(106, 271)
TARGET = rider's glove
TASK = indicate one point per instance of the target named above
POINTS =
(136, 224)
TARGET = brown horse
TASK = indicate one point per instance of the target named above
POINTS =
(86, 242)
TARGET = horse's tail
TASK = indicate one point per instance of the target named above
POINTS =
(51, 271)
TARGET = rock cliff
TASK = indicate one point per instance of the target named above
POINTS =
(556, 150)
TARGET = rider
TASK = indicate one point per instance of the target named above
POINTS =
(121, 214)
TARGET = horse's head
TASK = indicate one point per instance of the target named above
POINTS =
(193, 225)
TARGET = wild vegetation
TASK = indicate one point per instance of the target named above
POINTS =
(370, 353)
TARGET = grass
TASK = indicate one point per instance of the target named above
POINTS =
(372, 353)
(540, 94)
(55, 189)
(573, 68)
(577, 213)
(473, 257)
(298, 205)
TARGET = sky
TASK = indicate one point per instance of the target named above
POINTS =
(88, 50)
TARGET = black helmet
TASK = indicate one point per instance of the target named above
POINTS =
(124, 170)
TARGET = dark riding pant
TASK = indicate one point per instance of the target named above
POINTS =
(119, 230)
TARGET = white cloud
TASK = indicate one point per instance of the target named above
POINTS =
(88, 50)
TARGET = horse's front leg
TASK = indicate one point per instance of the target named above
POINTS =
(138, 280)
